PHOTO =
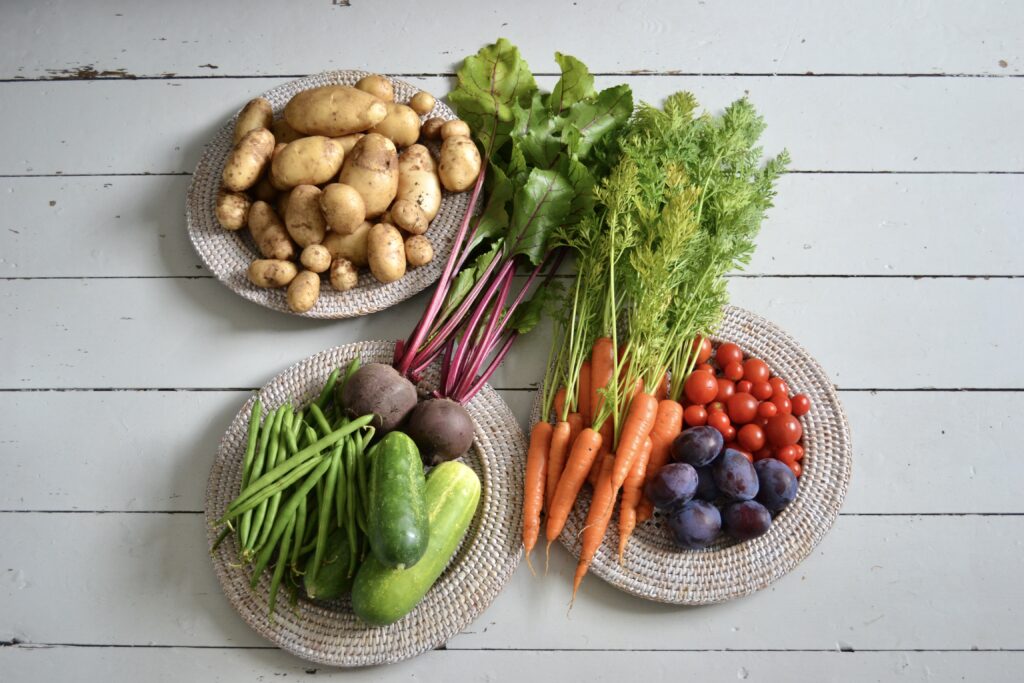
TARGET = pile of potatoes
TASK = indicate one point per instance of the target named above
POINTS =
(340, 183)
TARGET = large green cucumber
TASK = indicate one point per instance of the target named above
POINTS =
(397, 515)
(382, 595)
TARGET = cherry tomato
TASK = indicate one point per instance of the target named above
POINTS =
(733, 371)
(728, 353)
(782, 404)
(704, 351)
(756, 370)
(779, 386)
(716, 405)
(801, 404)
(786, 454)
(720, 421)
(799, 451)
(797, 469)
(764, 453)
(695, 416)
(746, 454)
(783, 430)
(742, 408)
(744, 387)
(762, 391)
(767, 409)
(705, 367)
(761, 422)
(751, 437)
(700, 387)
(729, 433)
(726, 388)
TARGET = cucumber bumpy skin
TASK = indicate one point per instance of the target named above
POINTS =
(397, 516)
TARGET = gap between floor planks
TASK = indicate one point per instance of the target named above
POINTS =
(792, 171)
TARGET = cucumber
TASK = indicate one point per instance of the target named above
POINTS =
(397, 514)
(382, 595)
(332, 579)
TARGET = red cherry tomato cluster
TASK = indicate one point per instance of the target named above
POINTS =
(741, 398)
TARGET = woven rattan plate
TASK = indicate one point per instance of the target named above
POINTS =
(655, 569)
(228, 254)
(328, 632)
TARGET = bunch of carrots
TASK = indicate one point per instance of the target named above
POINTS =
(679, 209)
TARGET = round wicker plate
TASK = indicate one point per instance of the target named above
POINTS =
(228, 254)
(328, 632)
(655, 569)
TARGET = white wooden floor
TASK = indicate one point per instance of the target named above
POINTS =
(893, 255)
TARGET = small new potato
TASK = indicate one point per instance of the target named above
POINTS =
(460, 164)
(316, 257)
(269, 232)
(343, 207)
(303, 217)
(385, 252)
(350, 247)
(431, 128)
(372, 169)
(401, 126)
(422, 103)
(456, 128)
(418, 251)
(303, 291)
(344, 275)
(247, 160)
(347, 142)
(334, 110)
(311, 160)
(232, 209)
(272, 273)
(257, 113)
(409, 217)
(378, 86)
(418, 181)
(278, 148)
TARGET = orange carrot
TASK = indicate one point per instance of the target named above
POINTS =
(602, 371)
(575, 427)
(556, 459)
(667, 425)
(606, 448)
(632, 489)
(559, 403)
(584, 452)
(536, 478)
(598, 516)
(583, 395)
(661, 393)
(635, 428)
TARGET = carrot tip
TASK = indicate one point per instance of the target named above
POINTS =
(530, 565)
(547, 556)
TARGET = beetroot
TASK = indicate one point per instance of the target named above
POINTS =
(441, 428)
(379, 389)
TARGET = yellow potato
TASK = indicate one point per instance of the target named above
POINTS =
(460, 164)
(386, 217)
(256, 113)
(455, 128)
(334, 110)
(303, 217)
(431, 128)
(418, 251)
(278, 148)
(264, 190)
(409, 217)
(344, 275)
(349, 141)
(343, 208)
(303, 291)
(284, 133)
(316, 257)
(307, 161)
(232, 209)
(402, 125)
(378, 86)
(372, 169)
(269, 233)
(350, 247)
(386, 253)
(247, 160)
(422, 103)
(272, 273)
(418, 181)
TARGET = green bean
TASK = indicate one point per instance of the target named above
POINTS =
(320, 419)
(325, 393)
(257, 469)
(326, 503)
(259, 516)
(303, 456)
(225, 532)
(286, 512)
(254, 500)
(309, 435)
(350, 523)
(349, 371)
(364, 478)
(290, 433)
(282, 561)
(282, 455)
(341, 494)
(250, 446)
(300, 532)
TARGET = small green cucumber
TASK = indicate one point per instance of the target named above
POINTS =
(397, 513)
(332, 579)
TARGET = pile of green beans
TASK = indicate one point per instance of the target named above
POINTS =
(304, 474)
